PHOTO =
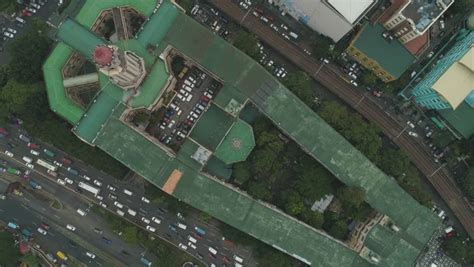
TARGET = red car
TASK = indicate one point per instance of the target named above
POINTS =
(45, 226)
(3, 131)
(226, 260)
(33, 145)
(26, 13)
(66, 161)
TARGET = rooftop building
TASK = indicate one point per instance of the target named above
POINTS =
(412, 18)
(332, 18)
(186, 165)
(386, 58)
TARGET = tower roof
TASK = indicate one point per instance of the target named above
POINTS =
(102, 55)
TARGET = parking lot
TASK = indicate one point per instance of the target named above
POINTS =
(192, 95)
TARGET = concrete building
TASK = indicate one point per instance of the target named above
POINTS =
(333, 18)
(414, 17)
(449, 86)
(126, 69)
(387, 59)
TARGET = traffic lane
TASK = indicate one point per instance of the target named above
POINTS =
(14, 210)
(132, 202)
(69, 215)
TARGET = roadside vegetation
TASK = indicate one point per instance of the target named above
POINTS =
(23, 96)
(9, 253)
(167, 254)
(461, 249)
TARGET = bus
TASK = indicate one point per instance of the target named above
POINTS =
(47, 165)
(89, 188)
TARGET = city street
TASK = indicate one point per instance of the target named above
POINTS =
(390, 124)
(167, 228)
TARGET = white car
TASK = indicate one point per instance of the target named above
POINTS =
(413, 134)
(8, 153)
(182, 246)
(87, 178)
(8, 34)
(151, 228)
(61, 181)
(118, 204)
(90, 255)
(191, 245)
(145, 220)
(409, 123)
(57, 163)
(29, 165)
(111, 188)
(71, 227)
(97, 182)
(13, 31)
(42, 231)
(34, 5)
(99, 197)
(30, 9)
(146, 200)
(103, 205)
(69, 181)
(34, 152)
(156, 220)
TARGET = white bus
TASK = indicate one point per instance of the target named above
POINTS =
(89, 188)
(47, 165)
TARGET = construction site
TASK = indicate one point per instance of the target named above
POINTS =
(189, 127)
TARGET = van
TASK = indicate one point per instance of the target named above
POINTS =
(192, 239)
(27, 159)
(132, 212)
(81, 212)
(121, 213)
(182, 226)
(20, 20)
(238, 259)
(128, 192)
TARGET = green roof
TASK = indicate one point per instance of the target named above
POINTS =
(78, 37)
(391, 55)
(461, 119)
(243, 79)
(237, 144)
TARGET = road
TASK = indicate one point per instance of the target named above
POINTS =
(44, 13)
(330, 77)
(34, 207)
(212, 238)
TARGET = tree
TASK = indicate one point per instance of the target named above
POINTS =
(460, 249)
(314, 182)
(9, 254)
(394, 162)
(351, 196)
(30, 260)
(247, 43)
(259, 190)
(320, 46)
(28, 53)
(300, 84)
(338, 230)
(468, 184)
(369, 79)
(312, 218)
(294, 204)
(130, 235)
(241, 172)
(14, 97)
(334, 114)
(141, 117)
(9, 6)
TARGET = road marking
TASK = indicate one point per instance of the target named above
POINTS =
(128, 200)
(56, 216)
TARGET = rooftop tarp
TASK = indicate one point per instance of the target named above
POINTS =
(391, 55)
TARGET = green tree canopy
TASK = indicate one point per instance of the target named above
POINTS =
(351, 196)
(312, 218)
(394, 162)
(241, 172)
(247, 43)
(130, 235)
(314, 182)
(460, 249)
(300, 84)
(468, 184)
(339, 230)
(320, 46)
(294, 204)
(259, 190)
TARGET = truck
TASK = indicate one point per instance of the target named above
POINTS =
(89, 188)
(34, 184)
(145, 261)
(49, 153)
(47, 165)
(13, 225)
(13, 171)
(199, 231)
(73, 171)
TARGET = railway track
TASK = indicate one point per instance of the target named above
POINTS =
(438, 176)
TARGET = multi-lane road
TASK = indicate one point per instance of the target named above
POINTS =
(329, 77)
(167, 228)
